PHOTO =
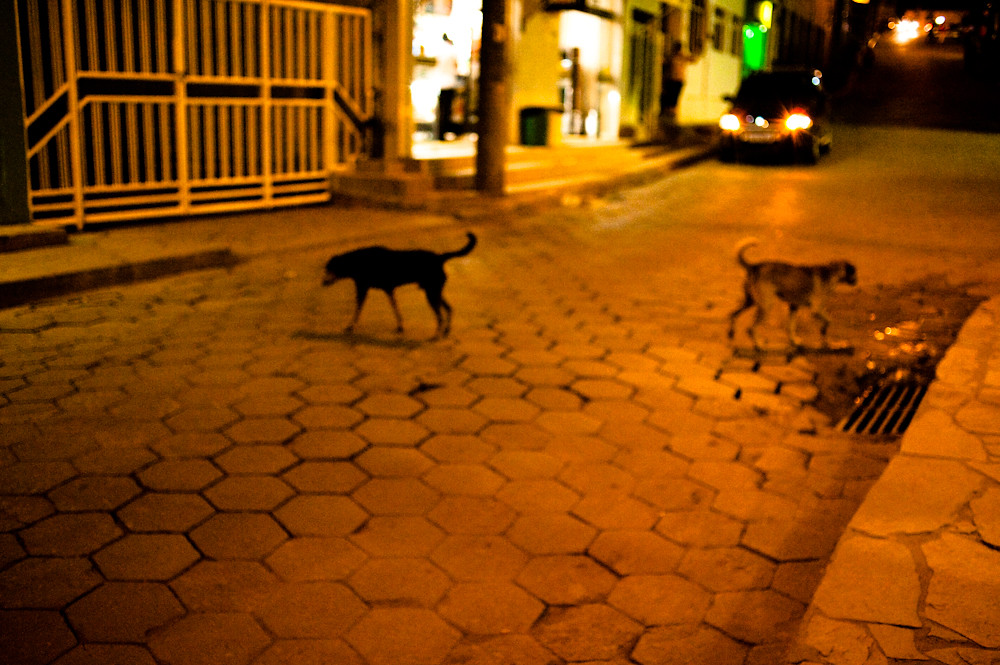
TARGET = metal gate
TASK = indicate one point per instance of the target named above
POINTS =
(151, 108)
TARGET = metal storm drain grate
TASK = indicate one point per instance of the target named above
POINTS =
(885, 409)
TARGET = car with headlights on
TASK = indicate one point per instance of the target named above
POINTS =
(779, 111)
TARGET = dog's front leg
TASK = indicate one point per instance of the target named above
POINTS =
(824, 323)
(395, 310)
(793, 318)
(360, 293)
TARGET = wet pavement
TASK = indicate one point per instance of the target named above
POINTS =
(205, 469)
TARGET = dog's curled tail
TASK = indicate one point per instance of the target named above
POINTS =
(741, 248)
(462, 252)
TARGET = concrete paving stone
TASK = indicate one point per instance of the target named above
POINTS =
(568, 423)
(447, 396)
(330, 393)
(395, 496)
(393, 535)
(451, 421)
(594, 389)
(32, 637)
(311, 610)
(848, 467)
(389, 405)
(91, 401)
(551, 533)
(222, 376)
(180, 475)
(704, 446)
(391, 431)
(123, 611)
(727, 569)
(916, 496)
(238, 535)
(486, 365)
(107, 654)
(46, 582)
(554, 398)
(473, 558)
(258, 430)
(223, 586)
(20, 511)
(70, 534)
(964, 589)
(571, 448)
(594, 478)
(799, 579)
(872, 580)
(309, 652)
(755, 617)
(10, 549)
(614, 510)
(250, 492)
(793, 539)
(52, 444)
(34, 477)
(191, 444)
(525, 464)
(388, 462)
(400, 580)
(328, 444)
(668, 493)
(472, 515)
(152, 557)
(634, 552)
(402, 636)
(749, 505)
(566, 579)
(934, 432)
(328, 416)
(700, 528)
(489, 608)
(210, 639)
(93, 493)
(506, 409)
(44, 392)
(495, 386)
(201, 419)
(497, 650)
(537, 496)
(655, 600)
(652, 464)
(324, 476)
(264, 459)
(532, 357)
(724, 475)
(516, 436)
(544, 376)
(683, 645)
(464, 479)
(175, 512)
(457, 448)
(615, 411)
(587, 366)
(587, 633)
(723, 407)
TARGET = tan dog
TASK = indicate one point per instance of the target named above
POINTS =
(809, 286)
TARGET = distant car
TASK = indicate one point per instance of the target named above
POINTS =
(781, 111)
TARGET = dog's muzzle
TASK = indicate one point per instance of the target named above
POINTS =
(329, 279)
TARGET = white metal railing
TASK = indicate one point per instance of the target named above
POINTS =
(145, 108)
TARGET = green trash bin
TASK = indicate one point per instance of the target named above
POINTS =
(535, 125)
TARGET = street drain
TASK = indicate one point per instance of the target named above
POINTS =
(885, 409)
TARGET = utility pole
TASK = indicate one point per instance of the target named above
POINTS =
(491, 154)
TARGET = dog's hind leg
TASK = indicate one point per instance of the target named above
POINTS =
(793, 316)
(747, 304)
(360, 293)
(441, 308)
(824, 323)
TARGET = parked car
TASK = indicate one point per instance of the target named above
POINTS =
(779, 111)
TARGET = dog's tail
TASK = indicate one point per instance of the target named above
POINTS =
(741, 249)
(462, 252)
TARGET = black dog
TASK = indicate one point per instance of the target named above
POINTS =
(387, 269)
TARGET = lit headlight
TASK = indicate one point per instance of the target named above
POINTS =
(798, 121)
(729, 122)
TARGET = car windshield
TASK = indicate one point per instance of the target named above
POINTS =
(789, 88)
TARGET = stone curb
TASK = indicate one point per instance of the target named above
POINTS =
(916, 575)
(21, 291)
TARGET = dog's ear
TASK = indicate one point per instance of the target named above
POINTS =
(850, 275)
